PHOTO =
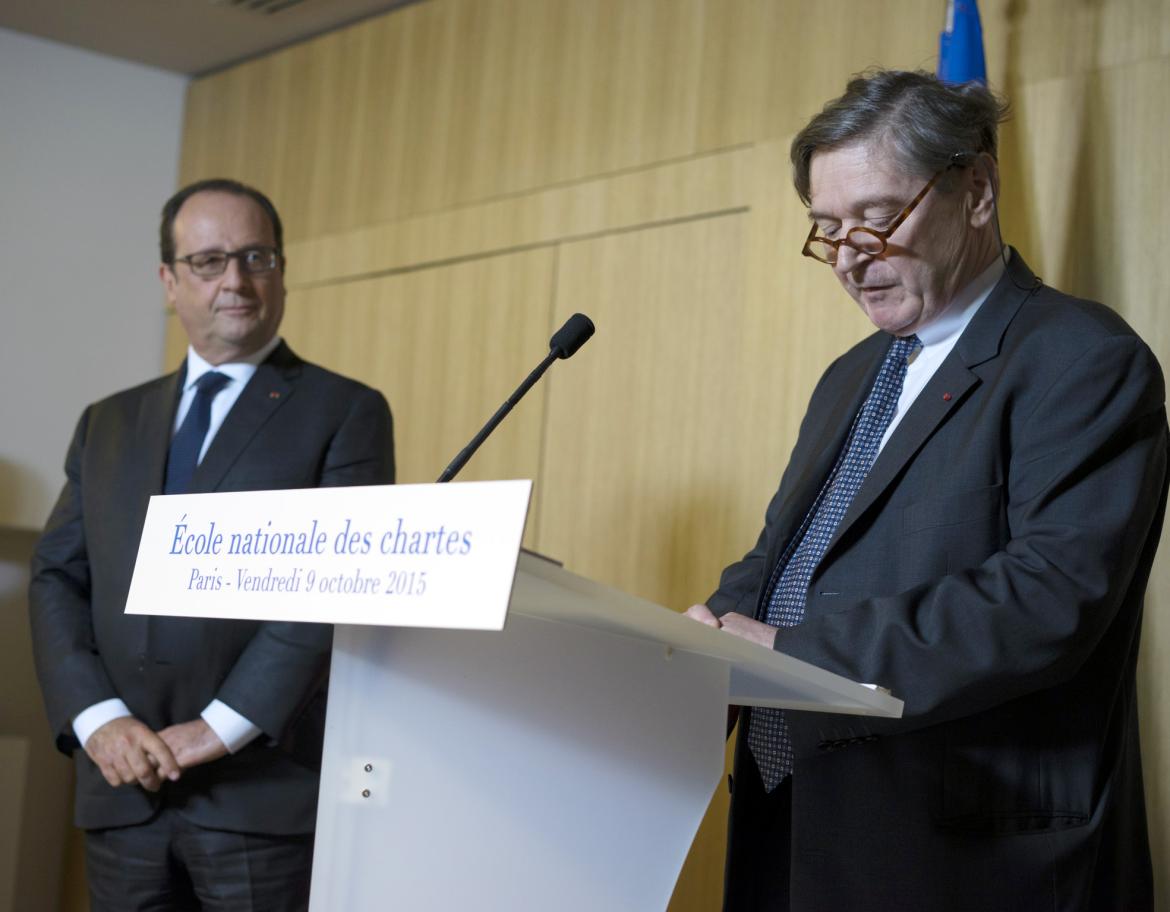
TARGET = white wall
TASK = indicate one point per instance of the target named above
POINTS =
(89, 150)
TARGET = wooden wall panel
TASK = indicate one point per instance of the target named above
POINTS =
(647, 415)
(175, 346)
(450, 102)
(1045, 39)
(699, 186)
(768, 66)
(510, 161)
(446, 346)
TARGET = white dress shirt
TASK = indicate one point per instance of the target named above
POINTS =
(940, 336)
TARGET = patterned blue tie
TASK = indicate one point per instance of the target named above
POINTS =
(768, 730)
(188, 440)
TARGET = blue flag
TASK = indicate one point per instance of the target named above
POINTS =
(960, 46)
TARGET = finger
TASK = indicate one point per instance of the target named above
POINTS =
(143, 771)
(703, 615)
(171, 773)
(161, 756)
(751, 630)
(737, 624)
(110, 775)
(94, 749)
(125, 773)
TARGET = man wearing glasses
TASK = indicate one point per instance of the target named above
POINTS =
(197, 743)
(968, 518)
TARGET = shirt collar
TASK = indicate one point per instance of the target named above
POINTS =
(241, 370)
(969, 299)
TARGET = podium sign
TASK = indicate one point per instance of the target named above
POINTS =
(398, 555)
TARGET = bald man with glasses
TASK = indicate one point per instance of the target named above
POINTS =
(968, 518)
(197, 743)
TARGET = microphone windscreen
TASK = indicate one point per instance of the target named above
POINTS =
(570, 337)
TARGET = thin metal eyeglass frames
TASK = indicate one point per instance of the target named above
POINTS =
(213, 263)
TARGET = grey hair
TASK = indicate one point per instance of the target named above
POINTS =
(923, 120)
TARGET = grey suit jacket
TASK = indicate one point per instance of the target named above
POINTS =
(991, 572)
(294, 425)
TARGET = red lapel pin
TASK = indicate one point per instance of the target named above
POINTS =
(946, 397)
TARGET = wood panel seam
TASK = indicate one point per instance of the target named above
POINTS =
(444, 262)
(565, 184)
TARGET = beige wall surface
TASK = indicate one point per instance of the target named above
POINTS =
(459, 176)
(35, 780)
(88, 151)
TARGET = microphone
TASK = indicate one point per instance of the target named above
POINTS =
(570, 337)
(563, 344)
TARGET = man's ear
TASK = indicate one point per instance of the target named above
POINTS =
(166, 275)
(983, 190)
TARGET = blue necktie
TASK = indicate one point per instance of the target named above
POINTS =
(768, 730)
(188, 440)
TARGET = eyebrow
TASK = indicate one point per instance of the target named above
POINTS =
(877, 202)
(220, 249)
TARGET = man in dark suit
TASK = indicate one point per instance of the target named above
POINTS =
(200, 740)
(968, 518)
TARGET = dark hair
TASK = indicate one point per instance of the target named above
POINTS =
(166, 230)
(924, 121)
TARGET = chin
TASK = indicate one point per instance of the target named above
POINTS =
(889, 320)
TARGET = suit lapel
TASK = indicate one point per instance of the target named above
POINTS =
(948, 389)
(267, 392)
(152, 441)
(156, 418)
(929, 410)
(851, 390)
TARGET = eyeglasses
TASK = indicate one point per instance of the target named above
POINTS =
(863, 239)
(212, 263)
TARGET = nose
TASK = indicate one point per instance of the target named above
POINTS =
(234, 276)
(849, 258)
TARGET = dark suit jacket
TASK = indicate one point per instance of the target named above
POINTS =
(294, 425)
(990, 572)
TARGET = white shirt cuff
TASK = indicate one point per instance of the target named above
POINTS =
(229, 726)
(90, 719)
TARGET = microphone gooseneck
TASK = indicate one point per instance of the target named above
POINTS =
(563, 344)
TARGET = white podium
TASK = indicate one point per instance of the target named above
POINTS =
(562, 764)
